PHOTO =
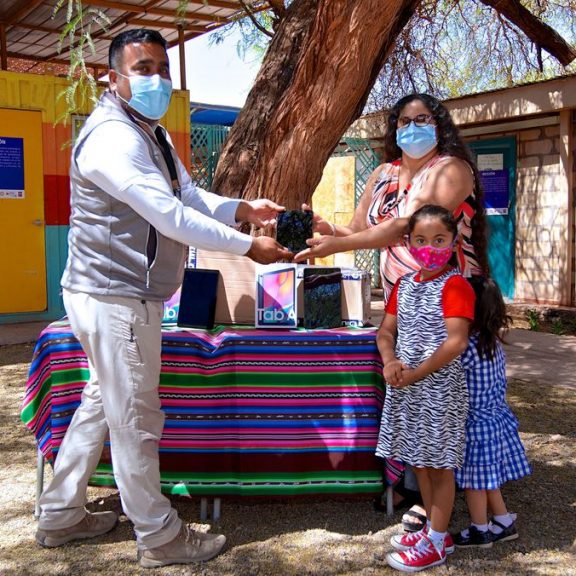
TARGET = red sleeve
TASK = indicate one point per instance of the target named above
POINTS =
(392, 304)
(458, 298)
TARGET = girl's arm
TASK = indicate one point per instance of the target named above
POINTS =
(451, 348)
(386, 341)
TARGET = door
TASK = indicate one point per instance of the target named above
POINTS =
(496, 160)
(22, 240)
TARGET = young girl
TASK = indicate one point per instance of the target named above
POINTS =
(423, 333)
(494, 453)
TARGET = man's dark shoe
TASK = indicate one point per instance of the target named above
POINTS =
(93, 524)
(473, 539)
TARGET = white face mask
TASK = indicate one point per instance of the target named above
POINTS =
(150, 95)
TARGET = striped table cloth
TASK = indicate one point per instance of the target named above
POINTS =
(248, 412)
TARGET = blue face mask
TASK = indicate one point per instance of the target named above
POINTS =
(416, 141)
(150, 95)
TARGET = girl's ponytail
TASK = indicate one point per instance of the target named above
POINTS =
(491, 320)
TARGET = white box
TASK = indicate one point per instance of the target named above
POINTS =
(235, 298)
(356, 295)
(276, 296)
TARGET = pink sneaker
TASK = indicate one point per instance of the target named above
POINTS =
(406, 541)
(420, 557)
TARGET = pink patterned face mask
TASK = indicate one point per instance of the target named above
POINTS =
(430, 258)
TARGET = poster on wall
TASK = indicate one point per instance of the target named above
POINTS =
(495, 184)
(11, 168)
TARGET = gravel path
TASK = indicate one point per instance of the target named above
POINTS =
(295, 537)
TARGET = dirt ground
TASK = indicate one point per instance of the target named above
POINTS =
(311, 537)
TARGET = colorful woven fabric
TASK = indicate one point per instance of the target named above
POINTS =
(251, 412)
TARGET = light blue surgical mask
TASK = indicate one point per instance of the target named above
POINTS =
(150, 95)
(416, 141)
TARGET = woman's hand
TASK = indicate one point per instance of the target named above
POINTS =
(318, 223)
(261, 212)
(319, 247)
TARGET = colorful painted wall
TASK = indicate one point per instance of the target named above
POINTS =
(34, 220)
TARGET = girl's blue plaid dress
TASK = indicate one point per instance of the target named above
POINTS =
(493, 453)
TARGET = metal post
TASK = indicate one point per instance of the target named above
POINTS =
(39, 482)
(216, 515)
(182, 54)
(3, 48)
(203, 508)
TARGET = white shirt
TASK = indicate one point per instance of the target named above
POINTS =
(118, 161)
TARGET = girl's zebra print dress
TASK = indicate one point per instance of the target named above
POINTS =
(424, 424)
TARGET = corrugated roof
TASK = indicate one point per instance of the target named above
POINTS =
(30, 32)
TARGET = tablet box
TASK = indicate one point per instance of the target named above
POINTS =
(198, 298)
(322, 289)
(276, 304)
(355, 296)
(235, 296)
(171, 308)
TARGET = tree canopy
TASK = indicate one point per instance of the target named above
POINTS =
(324, 57)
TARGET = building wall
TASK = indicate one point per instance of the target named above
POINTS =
(40, 93)
(542, 215)
(542, 218)
(542, 117)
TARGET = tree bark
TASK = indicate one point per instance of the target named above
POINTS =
(540, 33)
(312, 85)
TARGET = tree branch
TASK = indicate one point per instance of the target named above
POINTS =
(278, 8)
(537, 31)
(254, 21)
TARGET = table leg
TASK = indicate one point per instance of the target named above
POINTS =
(216, 508)
(203, 509)
(39, 482)
(389, 500)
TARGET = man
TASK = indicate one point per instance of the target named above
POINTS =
(134, 212)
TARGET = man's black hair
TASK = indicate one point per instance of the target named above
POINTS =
(137, 36)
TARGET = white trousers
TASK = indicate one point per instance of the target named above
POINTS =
(122, 339)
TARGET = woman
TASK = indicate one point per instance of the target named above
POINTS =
(426, 162)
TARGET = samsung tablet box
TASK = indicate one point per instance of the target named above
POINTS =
(171, 308)
(276, 292)
(355, 294)
(235, 295)
(322, 298)
(198, 298)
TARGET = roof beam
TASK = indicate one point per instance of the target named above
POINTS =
(55, 31)
(146, 23)
(23, 11)
(64, 61)
(137, 9)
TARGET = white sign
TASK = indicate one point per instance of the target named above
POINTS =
(11, 194)
(490, 162)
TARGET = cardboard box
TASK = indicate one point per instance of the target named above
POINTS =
(172, 308)
(235, 300)
(356, 295)
(276, 296)
(236, 303)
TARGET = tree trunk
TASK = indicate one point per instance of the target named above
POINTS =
(312, 85)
